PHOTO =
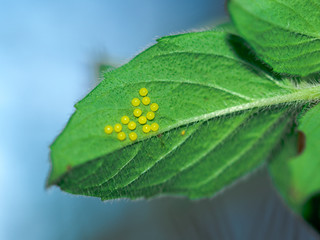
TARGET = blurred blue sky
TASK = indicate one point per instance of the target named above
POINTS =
(49, 51)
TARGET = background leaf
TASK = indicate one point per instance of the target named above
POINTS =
(284, 33)
(232, 112)
(298, 176)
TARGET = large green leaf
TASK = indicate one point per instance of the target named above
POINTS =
(284, 33)
(302, 178)
(220, 117)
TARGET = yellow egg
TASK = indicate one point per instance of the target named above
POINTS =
(143, 92)
(146, 128)
(133, 136)
(135, 102)
(137, 112)
(183, 132)
(125, 119)
(154, 127)
(117, 127)
(108, 129)
(142, 120)
(121, 136)
(132, 125)
(146, 101)
(154, 107)
(150, 115)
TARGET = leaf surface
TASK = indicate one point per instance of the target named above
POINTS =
(220, 117)
(284, 33)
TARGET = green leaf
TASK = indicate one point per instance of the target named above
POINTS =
(284, 33)
(220, 117)
(302, 178)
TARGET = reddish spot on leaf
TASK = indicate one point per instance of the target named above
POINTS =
(69, 167)
(301, 142)
(159, 135)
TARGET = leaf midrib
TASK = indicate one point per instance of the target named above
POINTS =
(305, 94)
(299, 95)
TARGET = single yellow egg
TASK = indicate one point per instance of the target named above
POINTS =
(117, 127)
(146, 101)
(121, 136)
(150, 115)
(125, 119)
(137, 112)
(142, 120)
(133, 136)
(143, 92)
(132, 125)
(146, 128)
(154, 127)
(135, 102)
(154, 107)
(183, 132)
(108, 129)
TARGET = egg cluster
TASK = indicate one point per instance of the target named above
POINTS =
(137, 113)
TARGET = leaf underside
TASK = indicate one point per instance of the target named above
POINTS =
(284, 33)
(233, 114)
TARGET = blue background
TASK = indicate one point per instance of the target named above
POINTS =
(49, 56)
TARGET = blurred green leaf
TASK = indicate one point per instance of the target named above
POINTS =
(298, 176)
(284, 33)
(220, 117)
(305, 168)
